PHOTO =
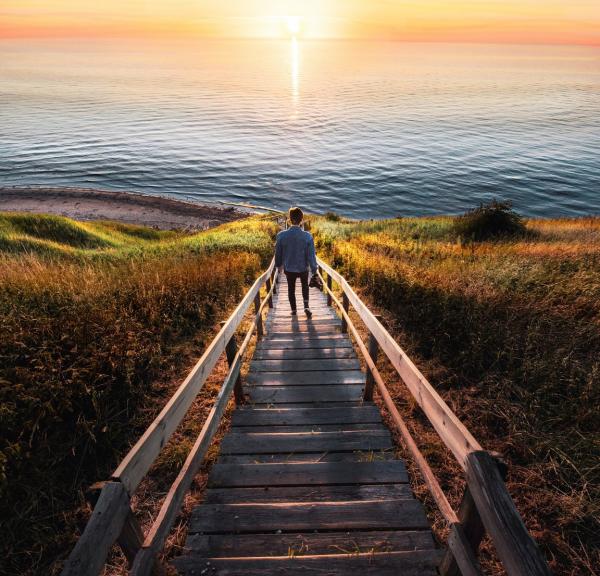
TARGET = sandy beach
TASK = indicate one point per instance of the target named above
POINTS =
(128, 207)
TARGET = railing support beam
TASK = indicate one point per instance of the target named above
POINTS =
(330, 286)
(346, 306)
(259, 320)
(231, 350)
(373, 353)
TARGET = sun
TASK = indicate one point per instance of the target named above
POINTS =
(293, 25)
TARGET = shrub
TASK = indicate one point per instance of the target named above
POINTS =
(489, 221)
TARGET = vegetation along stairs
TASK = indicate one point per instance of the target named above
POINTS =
(307, 480)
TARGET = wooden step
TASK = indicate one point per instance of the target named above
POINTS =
(311, 395)
(331, 341)
(304, 416)
(305, 365)
(314, 457)
(247, 545)
(269, 443)
(409, 563)
(402, 514)
(339, 428)
(322, 473)
(307, 494)
(304, 353)
(306, 378)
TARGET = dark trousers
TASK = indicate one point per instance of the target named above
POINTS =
(291, 281)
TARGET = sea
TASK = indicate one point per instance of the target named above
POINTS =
(362, 128)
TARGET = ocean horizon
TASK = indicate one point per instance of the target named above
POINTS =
(367, 129)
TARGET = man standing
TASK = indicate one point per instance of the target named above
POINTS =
(295, 251)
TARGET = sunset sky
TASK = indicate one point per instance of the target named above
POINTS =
(518, 21)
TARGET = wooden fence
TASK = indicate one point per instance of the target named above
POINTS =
(486, 504)
(112, 519)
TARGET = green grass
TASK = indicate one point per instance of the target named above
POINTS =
(509, 332)
(98, 321)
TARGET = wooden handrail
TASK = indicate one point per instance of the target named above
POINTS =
(515, 546)
(113, 509)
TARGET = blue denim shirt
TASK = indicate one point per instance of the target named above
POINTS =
(295, 250)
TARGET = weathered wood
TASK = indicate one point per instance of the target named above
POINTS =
(305, 365)
(413, 563)
(515, 547)
(270, 297)
(404, 514)
(246, 545)
(139, 459)
(312, 394)
(266, 443)
(103, 528)
(373, 353)
(307, 494)
(304, 416)
(304, 353)
(473, 529)
(330, 286)
(322, 473)
(282, 331)
(339, 428)
(159, 531)
(303, 321)
(231, 351)
(305, 458)
(346, 305)
(306, 378)
(131, 537)
(332, 341)
(259, 320)
(452, 432)
(462, 552)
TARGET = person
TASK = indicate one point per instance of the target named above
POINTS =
(295, 252)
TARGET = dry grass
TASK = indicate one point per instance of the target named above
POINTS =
(99, 324)
(509, 333)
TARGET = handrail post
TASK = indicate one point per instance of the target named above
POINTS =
(373, 353)
(274, 280)
(231, 350)
(346, 306)
(259, 322)
(330, 286)
(269, 292)
(131, 538)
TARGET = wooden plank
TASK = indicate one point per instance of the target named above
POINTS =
(316, 457)
(136, 464)
(322, 473)
(413, 563)
(404, 514)
(266, 443)
(101, 531)
(306, 378)
(452, 432)
(304, 416)
(305, 365)
(304, 321)
(247, 545)
(293, 331)
(307, 494)
(514, 545)
(333, 341)
(304, 394)
(339, 428)
(305, 353)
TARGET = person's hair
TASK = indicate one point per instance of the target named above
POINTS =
(296, 215)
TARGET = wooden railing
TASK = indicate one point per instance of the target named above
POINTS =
(112, 519)
(486, 504)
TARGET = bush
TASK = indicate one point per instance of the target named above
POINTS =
(331, 216)
(489, 221)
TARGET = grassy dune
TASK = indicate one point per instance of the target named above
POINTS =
(97, 322)
(509, 332)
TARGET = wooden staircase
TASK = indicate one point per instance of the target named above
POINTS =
(307, 481)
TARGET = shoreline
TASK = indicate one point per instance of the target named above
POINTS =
(90, 204)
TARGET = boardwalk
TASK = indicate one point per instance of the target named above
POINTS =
(307, 481)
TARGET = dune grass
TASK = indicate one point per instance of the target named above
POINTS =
(97, 320)
(509, 332)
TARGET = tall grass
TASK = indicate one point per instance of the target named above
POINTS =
(509, 332)
(93, 319)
